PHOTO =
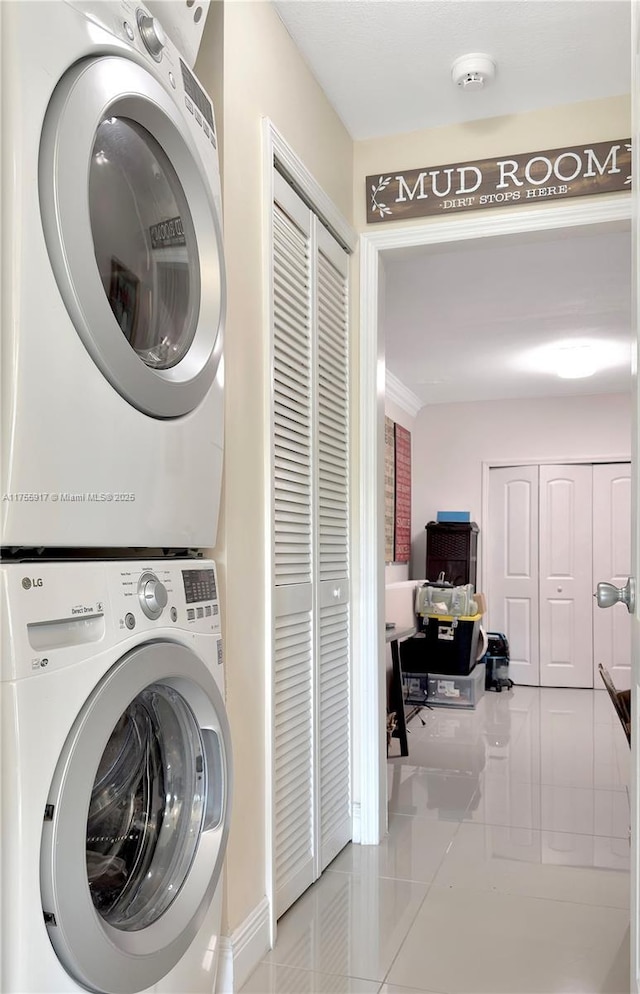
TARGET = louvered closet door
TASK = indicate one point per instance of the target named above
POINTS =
(292, 548)
(333, 644)
(311, 546)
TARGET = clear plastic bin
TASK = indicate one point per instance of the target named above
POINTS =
(456, 690)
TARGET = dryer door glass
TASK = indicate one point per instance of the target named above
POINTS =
(129, 193)
(145, 242)
(147, 809)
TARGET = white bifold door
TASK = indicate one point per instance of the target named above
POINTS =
(310, 530)
(555, 532)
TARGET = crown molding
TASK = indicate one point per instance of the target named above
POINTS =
(401, 395)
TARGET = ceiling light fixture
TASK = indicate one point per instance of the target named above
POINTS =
(574, 359)
(473, 72)
(574, 362)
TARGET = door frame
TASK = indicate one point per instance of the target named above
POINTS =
(369, 785)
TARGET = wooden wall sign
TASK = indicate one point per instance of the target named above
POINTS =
(579, 171)
(397, 493)
(389, 490)
(402, 552)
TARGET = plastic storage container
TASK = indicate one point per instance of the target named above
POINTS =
(415, 688)
(451, 644)
(457, 691)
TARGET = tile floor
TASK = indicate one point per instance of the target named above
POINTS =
(505, 870)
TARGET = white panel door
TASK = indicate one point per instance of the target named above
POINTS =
(513, 566)
(566, 584)
(612, 562)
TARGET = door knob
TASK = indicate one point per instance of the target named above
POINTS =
(607, 595)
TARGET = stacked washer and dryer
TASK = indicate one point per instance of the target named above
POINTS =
(116, 757)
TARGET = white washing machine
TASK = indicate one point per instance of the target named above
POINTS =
(112, 283)
(116, 777)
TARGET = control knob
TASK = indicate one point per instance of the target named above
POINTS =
(152, 595)
(152, 34)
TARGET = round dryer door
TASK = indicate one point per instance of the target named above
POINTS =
(137, 821)
(132, 224)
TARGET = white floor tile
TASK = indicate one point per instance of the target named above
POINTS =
(505, 868)
(511, 803)
(414, 790)
(559, 867)
(589, 812)
(348, 924)
(486, 943)
(394, 989)
(273, 978)
(413, 850)
(555, 809)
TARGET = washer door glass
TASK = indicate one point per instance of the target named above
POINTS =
(145, 242)
(137, 819)
(146, 810)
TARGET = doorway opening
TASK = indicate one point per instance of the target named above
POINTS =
(376, 247)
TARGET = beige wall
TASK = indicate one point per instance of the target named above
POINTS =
(262, 76)
(250, 65)
(448, 476)
(558, 127)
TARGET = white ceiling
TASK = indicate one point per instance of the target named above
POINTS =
(461, 317)
(385, 65)
(464, 321)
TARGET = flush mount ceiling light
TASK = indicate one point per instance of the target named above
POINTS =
(575, 362)
(574, 359)
(473, 72)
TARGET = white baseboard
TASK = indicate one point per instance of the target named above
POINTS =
(240, 953)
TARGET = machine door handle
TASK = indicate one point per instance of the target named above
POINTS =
(607, 594)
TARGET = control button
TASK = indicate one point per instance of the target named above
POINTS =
(206, 128)
(128, 31)
(152, 595)
(189, 105)
(130, 620)
(198, 116)
(172, 80)
(152, 34)
(191, 614)
(215, 609)
(174, 614)
(200, 612)
(207, 611)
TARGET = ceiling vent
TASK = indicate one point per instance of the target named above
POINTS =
(473, 72)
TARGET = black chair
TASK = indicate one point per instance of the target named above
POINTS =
(621, 700)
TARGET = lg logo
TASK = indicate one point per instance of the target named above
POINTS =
(28, 583)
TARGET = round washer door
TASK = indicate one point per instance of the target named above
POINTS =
(133, 234)
(137, 821)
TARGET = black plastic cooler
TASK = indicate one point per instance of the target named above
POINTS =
(446, 645)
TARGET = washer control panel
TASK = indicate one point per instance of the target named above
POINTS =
(185, 595)
(54, 614)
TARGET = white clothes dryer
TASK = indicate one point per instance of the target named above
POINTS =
(112, 283)
(116, 777)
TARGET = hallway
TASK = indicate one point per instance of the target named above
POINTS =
(506, 867)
